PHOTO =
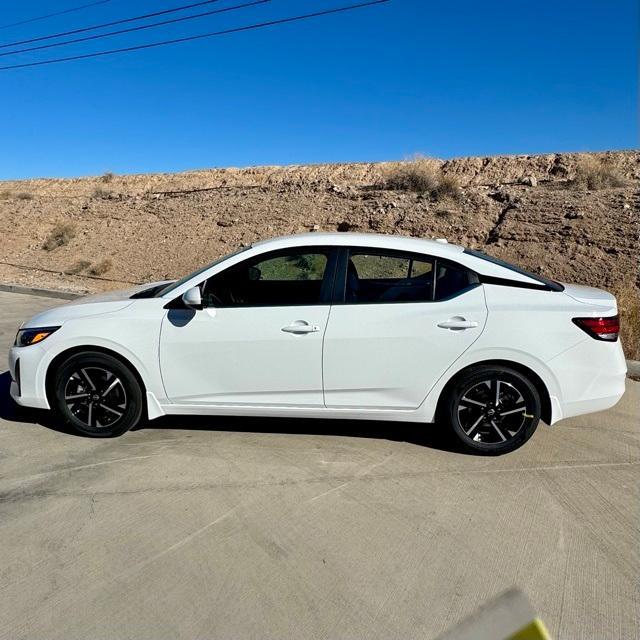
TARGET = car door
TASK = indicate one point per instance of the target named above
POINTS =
(399, 321)
(258, 339)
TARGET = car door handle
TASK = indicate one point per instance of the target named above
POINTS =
(458, 323)
(301, 326)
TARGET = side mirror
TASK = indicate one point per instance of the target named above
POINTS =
(192, 298)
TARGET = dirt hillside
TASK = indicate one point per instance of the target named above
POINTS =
(91, 234)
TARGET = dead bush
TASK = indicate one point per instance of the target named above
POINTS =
(422, 175)
(23, 195)
(77, 267)
(99, 192)
(5, 195)
(448, 187)
(100, 268)
(596, 173)
(61, 235)
(107, 176)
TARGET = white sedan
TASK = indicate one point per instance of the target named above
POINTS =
(332, 326)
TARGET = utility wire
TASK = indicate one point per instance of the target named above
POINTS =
(139, 28)
(250, 27)
(108, 24)
(51, 15)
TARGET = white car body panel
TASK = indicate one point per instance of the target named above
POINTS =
(388, 356)
(243, 357)
(365, 361)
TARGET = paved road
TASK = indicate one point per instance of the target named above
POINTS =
(235, 528)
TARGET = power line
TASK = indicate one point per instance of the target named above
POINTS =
(108, 24)
(51, 15)
(259, 25)
(139, 28)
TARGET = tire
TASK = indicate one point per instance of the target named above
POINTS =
(481, 425)
(97, 395)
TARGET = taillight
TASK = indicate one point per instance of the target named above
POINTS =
(600, 328)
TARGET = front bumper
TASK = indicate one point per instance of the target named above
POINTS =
(30, 392)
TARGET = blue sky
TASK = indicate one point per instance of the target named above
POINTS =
(439, 78)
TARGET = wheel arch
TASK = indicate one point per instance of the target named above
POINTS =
(63, 355)
(545, 397)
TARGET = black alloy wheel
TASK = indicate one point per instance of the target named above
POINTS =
(97, 394)
(494, 410)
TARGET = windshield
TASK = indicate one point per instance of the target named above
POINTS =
(552, 284)
(178, 283)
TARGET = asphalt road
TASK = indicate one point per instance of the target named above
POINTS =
(238, 528)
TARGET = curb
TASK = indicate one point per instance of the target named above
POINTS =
(633, 369)
(44, 293)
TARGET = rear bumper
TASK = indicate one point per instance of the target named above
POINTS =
(591, 377)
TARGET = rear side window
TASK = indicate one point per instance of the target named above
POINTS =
(384, 278)
(378, 277)
(284, 278)
(451, 279)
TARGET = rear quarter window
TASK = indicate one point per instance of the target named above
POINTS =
(546, 282)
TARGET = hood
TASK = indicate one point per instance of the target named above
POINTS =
(121, 294)
(92, 305)
(590, 295)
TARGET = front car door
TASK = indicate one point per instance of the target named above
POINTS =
(399, 321)
(258, 339)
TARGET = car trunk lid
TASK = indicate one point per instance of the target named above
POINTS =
(590, 295)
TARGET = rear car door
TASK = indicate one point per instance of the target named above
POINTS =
(398, 322)
(258, 339)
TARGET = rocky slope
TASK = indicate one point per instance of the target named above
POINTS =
(107, 231)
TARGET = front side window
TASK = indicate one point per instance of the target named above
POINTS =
(388, 277)
(283, 278)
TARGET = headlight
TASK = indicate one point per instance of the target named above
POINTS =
(26, 337)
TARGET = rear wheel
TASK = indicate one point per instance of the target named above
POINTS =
(493, 409)
(97, 394)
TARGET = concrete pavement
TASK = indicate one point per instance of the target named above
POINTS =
(239, 528)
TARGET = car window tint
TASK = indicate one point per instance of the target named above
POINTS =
(380, 266)
(302, 266)
(451, 279)
(387, 278)
(292, 278)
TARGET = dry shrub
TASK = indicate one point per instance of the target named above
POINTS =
(448, 187)
(99, 192)
(5, 195)
(422, 175)
(100, 268)
(78, 267)
(61, 235)
(596, 173)
(107, 176)
(23, 195)
(628, 297)
(418, 175)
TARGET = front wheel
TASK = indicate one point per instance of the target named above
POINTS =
(97, 394)
(493, 409)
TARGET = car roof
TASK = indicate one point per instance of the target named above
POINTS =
(374, 240)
